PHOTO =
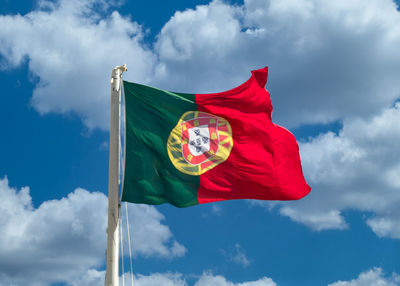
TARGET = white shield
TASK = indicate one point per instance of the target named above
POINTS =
(199, 140)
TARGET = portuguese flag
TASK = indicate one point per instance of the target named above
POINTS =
(188, 149)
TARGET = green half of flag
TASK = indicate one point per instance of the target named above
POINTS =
(150, 177)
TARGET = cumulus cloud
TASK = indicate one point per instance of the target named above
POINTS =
(95, 278)
(92, 277)
(356, 169)
(40, 246)
(218, 280)
(167, 279)
(173, 279)
(150, 236)
(328, 60)
(43, 245)
(71, 50)
(374, 276)
(205, 279)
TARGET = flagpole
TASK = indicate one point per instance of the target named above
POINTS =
(113, 179)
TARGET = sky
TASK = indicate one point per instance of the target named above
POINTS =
(334, 70)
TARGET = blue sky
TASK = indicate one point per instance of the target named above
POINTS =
(334, 70)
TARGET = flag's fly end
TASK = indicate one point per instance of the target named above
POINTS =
(261, 76)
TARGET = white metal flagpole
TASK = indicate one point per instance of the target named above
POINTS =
(113, 179)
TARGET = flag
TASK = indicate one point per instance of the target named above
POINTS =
(188, 149)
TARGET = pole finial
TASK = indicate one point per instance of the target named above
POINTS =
(122, 68)
(116, 76)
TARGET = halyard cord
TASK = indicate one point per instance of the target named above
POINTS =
(129, 240)
(122, 160)
(122, 248)
(119, 203)
(124, 134)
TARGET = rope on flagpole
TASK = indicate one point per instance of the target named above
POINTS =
(129, 241)
(122, 251)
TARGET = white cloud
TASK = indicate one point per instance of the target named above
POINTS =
(72, 51)
(167, 279)
(213, 210)
(216, 209)
(43, 245)
(357, 169)
(95, 278)
(150, 237)
(238, 255)
(61, 239)
(92, 277)
(172, 279)
(317, 220)
(217, 280)
(328, 60)
(375, 277)
(371, 277)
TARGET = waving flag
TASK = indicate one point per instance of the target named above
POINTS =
(188, 149)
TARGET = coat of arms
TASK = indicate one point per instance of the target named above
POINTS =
(199, 142)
